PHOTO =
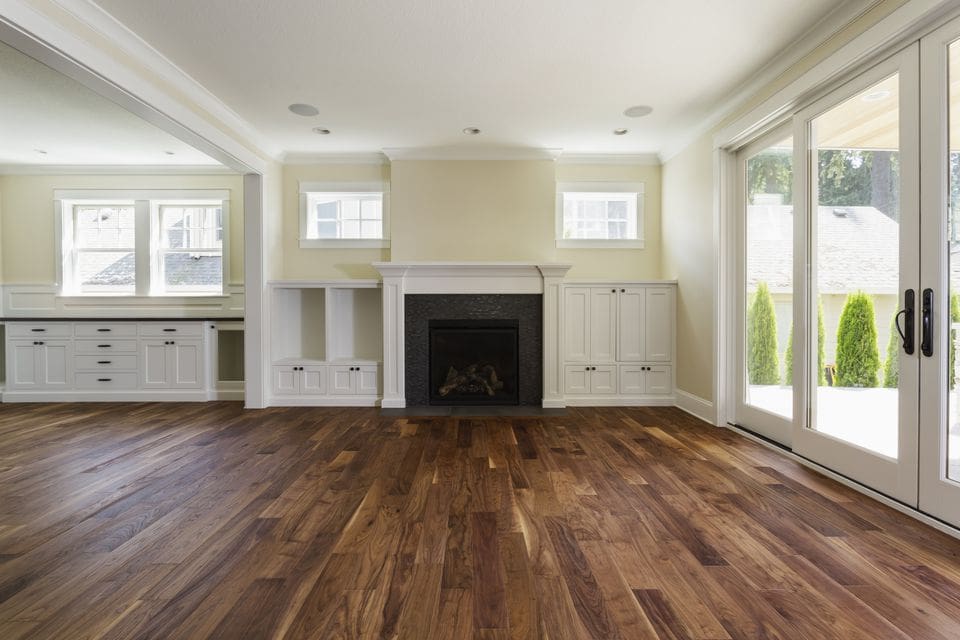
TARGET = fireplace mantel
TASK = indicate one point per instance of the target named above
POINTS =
(401, 278)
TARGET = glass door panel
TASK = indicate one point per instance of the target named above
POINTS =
(863, 224)
(765, 311)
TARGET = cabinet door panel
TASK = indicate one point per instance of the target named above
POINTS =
(313, 380)
(286, 381)
(187, 365)
(576, 380)
(630, 346)
(23, 370)
(603, 324)
(576, 324)
(341, 381)
(55, 363)
(368, 381)
(632, 380)
(659, 381)
(156, 365)
(603, 380)
(658, 325)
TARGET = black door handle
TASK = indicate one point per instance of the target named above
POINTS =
(907, 332)
(926, 323)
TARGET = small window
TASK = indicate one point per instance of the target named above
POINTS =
(599, 215)
(191, 249)
(104, 253)
(343, 215)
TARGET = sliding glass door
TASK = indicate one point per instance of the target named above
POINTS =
(860, 183)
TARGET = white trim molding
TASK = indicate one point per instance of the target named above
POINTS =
(44, 301)
(471, 153)
(114, 169)
(695, 406)
(621, 159)
(302, 158)
(401, 278)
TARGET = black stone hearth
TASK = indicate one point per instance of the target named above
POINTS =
(473, 362)
(524, 311)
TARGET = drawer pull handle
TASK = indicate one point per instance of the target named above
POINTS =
(104, 361)
(104, 379)
(104, 346)
(169, 329)
(38, 330)
(103, 330)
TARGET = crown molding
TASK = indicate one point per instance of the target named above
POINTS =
(648, 159)
(471, 153)
(294, 158)
(100, 21)
(113, 169)
(814, 37)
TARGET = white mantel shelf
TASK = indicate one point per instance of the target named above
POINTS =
(401, 278)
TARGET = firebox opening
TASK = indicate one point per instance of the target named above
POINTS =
(474, 362)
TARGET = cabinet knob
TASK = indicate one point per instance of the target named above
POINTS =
(613, 290)
(623, 290)
(40, 343)
(586, 369)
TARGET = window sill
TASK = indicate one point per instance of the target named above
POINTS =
(599, 244)
(313, 243)
(87, 297)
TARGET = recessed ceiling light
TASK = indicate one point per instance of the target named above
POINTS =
(471, 131)
(303, 109)
(620, 132)
(322, 131)
(638, 111)
(170, 153)
(876, 96)
(41, 152)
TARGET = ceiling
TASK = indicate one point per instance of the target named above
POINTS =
(43, 110)
(538, 73)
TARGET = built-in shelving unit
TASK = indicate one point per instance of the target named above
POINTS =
(226, 360)
(326, 343)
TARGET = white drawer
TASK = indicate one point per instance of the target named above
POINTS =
(105, 362)
(39, 330)
(171, 329)
(106, 330)
(105, 345)
(103, 381)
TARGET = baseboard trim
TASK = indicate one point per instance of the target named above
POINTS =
(345, 401)
(104, 396)
(554, 404)
(620, 401)
(393, 403)
(939, 525)
(696, 406)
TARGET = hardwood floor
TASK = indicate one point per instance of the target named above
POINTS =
(195, 521)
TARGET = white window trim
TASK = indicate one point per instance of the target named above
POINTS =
(147, 205)
(599, 186)
(344, 187)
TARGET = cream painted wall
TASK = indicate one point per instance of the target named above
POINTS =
(474, 211)
(687, 251)
(27, 242)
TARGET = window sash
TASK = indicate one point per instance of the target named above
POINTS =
(364, 217)
(579, 221)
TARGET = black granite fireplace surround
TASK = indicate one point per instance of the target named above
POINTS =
(523, 310)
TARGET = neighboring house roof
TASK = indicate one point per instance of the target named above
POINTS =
(179, 269)
(858, 249)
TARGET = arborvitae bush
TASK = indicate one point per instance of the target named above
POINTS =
(763, 364)
(858, 359)
(891, 366)
(788, 356)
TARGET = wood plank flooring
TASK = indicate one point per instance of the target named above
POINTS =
(204, 520)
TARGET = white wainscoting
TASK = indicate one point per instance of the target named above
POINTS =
(696, 406)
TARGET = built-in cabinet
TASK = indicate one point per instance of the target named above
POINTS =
(326, 343)
(111, 360)
(618, 343)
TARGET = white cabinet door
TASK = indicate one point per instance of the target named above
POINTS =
(603, 324)
(186, 363)
(55, 363)
(603, 379)
(659, 380)
(368, 380)
(313, 380)
(631, 325)
(576, 324)
(576, 379)
(632, 380)
(342, 381)
(658, 325)
(286, 380)
(156, 365)
(23, 364)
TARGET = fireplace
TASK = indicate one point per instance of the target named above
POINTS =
(474, 362)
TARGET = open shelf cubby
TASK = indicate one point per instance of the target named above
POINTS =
(229, 355)
(328, 321)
